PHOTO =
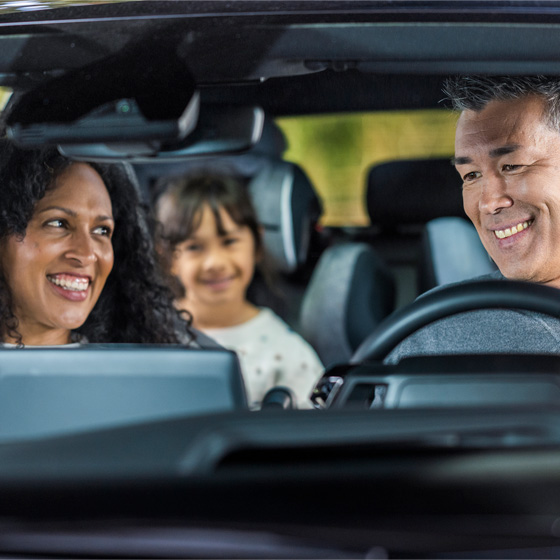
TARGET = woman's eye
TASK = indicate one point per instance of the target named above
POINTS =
(193, 247)
(105, 231)
(55, 223)
(230, 240)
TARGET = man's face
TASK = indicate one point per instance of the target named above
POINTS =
(509, 160)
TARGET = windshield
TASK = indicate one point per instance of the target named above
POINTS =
(279, 279)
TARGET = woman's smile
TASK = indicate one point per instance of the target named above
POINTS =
(70, 286)
(57, 271)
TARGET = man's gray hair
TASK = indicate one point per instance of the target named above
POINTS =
(475, 92)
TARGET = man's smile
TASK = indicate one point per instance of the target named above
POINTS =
(508, 232)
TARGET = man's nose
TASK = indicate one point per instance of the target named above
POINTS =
(494, 195)
(82, 248)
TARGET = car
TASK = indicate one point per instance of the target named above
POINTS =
(332, 113)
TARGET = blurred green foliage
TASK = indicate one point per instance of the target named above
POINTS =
(336, 152)
(5, 94)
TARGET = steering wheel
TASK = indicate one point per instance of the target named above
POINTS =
(450, 300)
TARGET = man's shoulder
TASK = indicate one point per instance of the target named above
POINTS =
(483, 331)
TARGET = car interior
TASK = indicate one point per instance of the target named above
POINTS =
(69, 394)
(148, 451)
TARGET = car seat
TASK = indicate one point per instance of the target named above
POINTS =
(288, 209)
(412, 192)
(420, 203)
(401, 197)
(453, 252)
(350, 292)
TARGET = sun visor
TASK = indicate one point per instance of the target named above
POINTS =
(122, 99)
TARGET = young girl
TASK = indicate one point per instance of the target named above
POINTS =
(210, 242)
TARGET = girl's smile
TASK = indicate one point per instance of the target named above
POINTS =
(216, 270)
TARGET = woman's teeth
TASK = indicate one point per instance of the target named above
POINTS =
(508, 232)
(74, 285)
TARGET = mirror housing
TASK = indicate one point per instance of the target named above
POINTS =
(220, 130)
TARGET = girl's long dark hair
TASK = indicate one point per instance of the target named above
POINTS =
(179, 213)
(135, 305)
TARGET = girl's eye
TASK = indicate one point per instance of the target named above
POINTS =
(105, 231)
(193, 247)
(230, 240)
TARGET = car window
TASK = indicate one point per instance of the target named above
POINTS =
(337, 150)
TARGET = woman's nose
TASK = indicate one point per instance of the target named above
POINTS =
(82, 248)
(494, 195)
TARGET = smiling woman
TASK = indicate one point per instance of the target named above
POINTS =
(76, 261)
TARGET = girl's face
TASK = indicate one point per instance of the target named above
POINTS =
(57, 272)
(215, 269)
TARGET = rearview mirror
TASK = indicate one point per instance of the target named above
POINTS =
(220, 130)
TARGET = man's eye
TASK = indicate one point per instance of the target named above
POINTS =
(511, 167)
(471, 176)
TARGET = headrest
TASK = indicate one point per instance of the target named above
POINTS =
(413, 192)
(454, 252)
(288, 208)
(351, 290)
(272, 142)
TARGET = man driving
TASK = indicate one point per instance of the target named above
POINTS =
(507, 151)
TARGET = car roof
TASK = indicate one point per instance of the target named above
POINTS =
(314, 56)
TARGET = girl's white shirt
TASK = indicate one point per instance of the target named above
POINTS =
(271, 354)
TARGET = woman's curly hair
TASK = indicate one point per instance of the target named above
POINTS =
(135, 305)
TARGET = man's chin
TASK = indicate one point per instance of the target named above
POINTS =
(524, 275)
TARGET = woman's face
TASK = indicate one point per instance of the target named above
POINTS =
(57, 271)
